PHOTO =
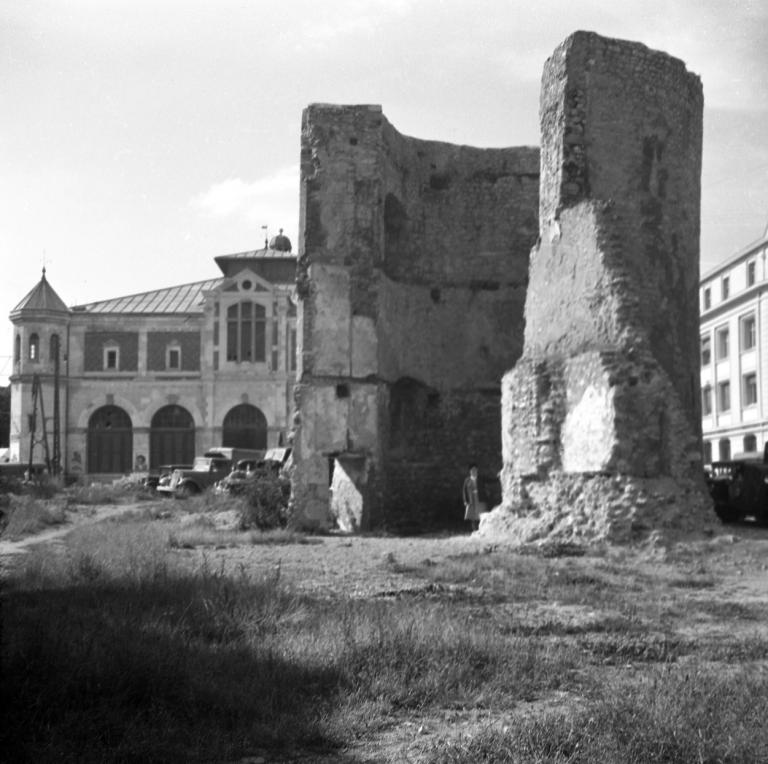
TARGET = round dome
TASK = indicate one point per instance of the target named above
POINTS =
(280, 243)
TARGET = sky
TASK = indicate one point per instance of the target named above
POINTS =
(139, 139)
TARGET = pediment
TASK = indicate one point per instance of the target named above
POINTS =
(245, 282)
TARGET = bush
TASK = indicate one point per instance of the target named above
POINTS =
(25, 515)
(266, 502)
(108, 493)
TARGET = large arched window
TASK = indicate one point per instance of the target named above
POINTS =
(246, 332)
(171, 437)
(750, 443)
(110, 441)
(244, 426)
(724, 449)
(34, 347)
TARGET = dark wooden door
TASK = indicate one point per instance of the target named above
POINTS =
(171, 437)
(244, 426)
(110, 441)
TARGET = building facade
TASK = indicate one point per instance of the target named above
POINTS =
(734, 354)
(131, 383)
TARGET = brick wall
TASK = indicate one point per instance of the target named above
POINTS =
(158, 342)
(127, 342)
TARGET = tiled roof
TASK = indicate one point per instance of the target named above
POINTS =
(185, 298)
(42, 297)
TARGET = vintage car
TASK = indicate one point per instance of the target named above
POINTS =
(248, 469)
(207, 470)
(739, 487)
(236, 480)
(162, 475)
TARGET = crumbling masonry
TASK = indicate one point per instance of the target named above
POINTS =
(414, 268)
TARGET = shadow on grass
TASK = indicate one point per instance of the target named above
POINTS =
(180, 669)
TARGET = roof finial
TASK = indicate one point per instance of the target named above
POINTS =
(43, 273)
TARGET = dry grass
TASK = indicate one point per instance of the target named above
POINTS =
(25, 515)
(124, 646)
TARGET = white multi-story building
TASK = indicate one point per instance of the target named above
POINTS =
(734, 354)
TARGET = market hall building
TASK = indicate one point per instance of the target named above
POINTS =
(134, 382)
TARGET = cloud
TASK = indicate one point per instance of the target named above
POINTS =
(272, 200)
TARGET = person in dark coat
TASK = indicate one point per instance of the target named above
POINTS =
(473, 505)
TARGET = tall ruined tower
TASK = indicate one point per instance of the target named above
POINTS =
(600, 416)
(413, 260)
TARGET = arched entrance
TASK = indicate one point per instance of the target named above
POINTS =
(244, 426)
(171, 437)
(110, 441)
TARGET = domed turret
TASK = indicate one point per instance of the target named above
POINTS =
(280, 243)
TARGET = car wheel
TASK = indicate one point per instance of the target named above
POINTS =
(187, 490)
(727, 513)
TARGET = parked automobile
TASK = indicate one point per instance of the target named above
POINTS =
(207, 470)
(247, 470)
(739, 487)
(162, 475)
(239, 477)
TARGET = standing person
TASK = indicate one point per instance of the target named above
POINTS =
(471, 494)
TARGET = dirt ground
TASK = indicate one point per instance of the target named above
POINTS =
(733, 560)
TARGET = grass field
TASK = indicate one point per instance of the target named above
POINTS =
(145, 639)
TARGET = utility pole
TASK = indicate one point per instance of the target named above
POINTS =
(37, 402)
(55, 466)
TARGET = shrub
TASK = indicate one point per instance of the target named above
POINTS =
(25, 515)
(266, 502)
(106, 493)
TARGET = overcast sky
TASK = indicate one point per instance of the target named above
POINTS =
(140, 139)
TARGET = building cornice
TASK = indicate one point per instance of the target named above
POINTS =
(742, 254)
(724, 307)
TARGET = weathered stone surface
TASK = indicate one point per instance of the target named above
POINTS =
(601, 421)
(413, 267)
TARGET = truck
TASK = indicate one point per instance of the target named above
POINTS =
(206, 470)
(739, 487)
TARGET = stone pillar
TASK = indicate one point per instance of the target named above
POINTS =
(336, 397)
(600, 417)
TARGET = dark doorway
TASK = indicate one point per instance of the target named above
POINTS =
(171, 437)
(110, 441)
(244, 427)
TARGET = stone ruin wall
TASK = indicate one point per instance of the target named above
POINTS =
(413, 271)
(601, 420)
